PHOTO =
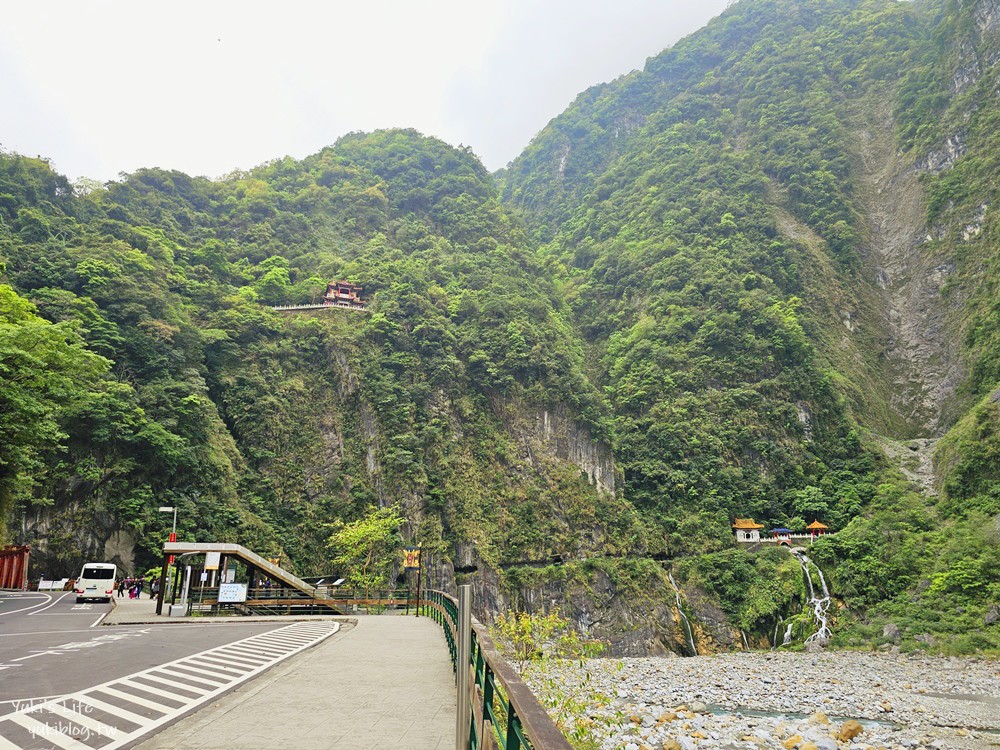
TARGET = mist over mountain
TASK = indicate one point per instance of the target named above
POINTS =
(757, 279)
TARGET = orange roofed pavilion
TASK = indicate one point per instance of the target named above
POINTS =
(747, 530)
(817, 529)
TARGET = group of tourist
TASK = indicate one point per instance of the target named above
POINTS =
(134, 587)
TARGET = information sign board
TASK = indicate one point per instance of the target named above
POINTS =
(212, 560)
(232, 592)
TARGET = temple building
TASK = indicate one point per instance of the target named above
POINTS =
(344, 294)
(747, 530)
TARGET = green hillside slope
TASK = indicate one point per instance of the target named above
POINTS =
(447, 400)
(777, 239)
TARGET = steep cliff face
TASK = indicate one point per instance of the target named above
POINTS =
(555, 432)
(919, 325)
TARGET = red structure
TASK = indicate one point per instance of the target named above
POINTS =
(344, 294)
(14, 567)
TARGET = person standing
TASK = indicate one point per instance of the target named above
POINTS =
(121, 588)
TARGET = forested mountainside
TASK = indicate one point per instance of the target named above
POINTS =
(266, 427)
(779, 244)
(756, 279)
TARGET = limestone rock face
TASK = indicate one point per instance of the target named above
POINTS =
(572, 442)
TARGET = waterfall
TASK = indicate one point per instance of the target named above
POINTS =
(819, 604)
(684, 620)
(788, 634)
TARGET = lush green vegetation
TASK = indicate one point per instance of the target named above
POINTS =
(265, 428)
(664, 271)
(704, 219)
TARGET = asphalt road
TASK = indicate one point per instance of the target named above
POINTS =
(51, 646)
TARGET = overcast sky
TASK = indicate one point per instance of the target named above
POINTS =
(208, 86)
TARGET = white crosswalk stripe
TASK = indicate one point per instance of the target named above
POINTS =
(125, 708)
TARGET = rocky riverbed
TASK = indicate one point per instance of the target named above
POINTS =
(801, 701)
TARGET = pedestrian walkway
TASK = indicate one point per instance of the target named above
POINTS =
(386, 682)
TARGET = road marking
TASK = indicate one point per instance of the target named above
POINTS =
(77, 717)
(41, 729)
(25, 702)
(130, 698)
(117, 711)
(98, 620)
(182, 680)
(50, 606)
(64, 721)
(25, 609)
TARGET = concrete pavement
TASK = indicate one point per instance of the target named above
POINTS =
(386, 682)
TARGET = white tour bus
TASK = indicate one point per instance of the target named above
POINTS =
(96, 581)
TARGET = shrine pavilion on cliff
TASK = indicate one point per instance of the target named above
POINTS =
(747, 531)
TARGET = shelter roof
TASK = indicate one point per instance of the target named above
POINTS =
(817, 525)
(747, 523)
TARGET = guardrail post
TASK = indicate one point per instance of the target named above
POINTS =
(463, 720)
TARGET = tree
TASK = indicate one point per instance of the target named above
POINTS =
(366, 549)
(45, 371)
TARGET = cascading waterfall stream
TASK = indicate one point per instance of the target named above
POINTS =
(684, 620)
(788, 635)
(819, 604)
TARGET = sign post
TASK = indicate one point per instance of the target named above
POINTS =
(411, 561)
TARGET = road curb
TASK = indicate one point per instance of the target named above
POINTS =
(232, 620)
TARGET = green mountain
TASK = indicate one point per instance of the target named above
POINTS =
(757, 279)
(777, 240)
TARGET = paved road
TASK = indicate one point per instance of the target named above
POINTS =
(65, 683)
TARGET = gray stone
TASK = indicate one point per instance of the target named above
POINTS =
(891, 631)
(992, 616)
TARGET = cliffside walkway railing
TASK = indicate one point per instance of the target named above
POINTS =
(496, 709)
(286, 308)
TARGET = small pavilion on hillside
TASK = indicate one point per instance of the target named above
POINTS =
(816, 529)
(747, 530)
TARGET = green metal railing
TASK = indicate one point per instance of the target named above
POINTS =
(505, 713)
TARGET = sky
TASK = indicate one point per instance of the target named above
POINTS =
(101, 87)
